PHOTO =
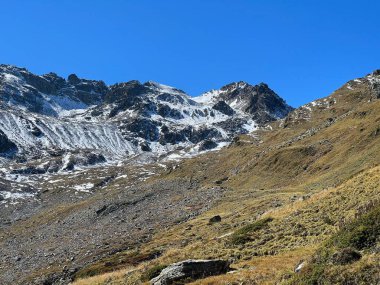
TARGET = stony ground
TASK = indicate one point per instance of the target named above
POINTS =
(67, 227)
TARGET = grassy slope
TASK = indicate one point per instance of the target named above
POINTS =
(336, 261)
(312, 177)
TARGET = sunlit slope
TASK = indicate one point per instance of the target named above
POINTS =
(306, 177)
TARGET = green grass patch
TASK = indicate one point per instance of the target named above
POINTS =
(115, 262)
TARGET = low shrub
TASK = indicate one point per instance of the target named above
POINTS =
(152, 272)
(342, 249)
(361, 234)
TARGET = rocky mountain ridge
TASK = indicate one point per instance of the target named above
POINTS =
(47, 113)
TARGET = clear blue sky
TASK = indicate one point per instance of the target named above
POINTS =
(303, 49)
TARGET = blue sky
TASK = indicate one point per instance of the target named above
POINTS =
(303, 49)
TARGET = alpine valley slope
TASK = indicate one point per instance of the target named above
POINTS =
(285, 192)
(76, 154)
(300, 202)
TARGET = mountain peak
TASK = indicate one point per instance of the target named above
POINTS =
(261, 102)
(11, 67)
(263, 84)
(73, 79)
(234, 85)
(376, 72)
(162, 88)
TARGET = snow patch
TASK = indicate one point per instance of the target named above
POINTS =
(208, 97)
(14, 196)
(86, 187)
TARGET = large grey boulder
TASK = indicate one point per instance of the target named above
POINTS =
(190, 270)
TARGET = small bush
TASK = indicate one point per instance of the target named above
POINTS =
(152, 272)
(361, 234)
(345, 256)
(327, 220)
(242, 235)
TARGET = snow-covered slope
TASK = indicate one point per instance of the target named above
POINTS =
(39, 135)
(45, 115)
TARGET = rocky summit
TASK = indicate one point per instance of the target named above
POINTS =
(140, 183)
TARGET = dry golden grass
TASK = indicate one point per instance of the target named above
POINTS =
(265, 268)
(114, 278)
(261, 270)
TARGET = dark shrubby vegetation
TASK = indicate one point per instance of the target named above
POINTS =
(342, 249)
(361, 234)
(152, 272)
(116, 262)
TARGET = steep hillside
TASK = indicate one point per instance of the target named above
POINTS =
(306, 183)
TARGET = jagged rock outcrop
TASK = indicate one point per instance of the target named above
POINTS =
(374, 78)
(259, 101)
(224, 108)
(47, 94)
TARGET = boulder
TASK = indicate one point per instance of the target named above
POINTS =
(190, 270)
(207, 145)
(299, 266)
(215, 219)
(145, 146)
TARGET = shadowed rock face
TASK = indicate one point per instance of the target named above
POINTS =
(191, 270)
(222, 107)
(258, 100)
(125, 92)
(6, 146)
(208, 144)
